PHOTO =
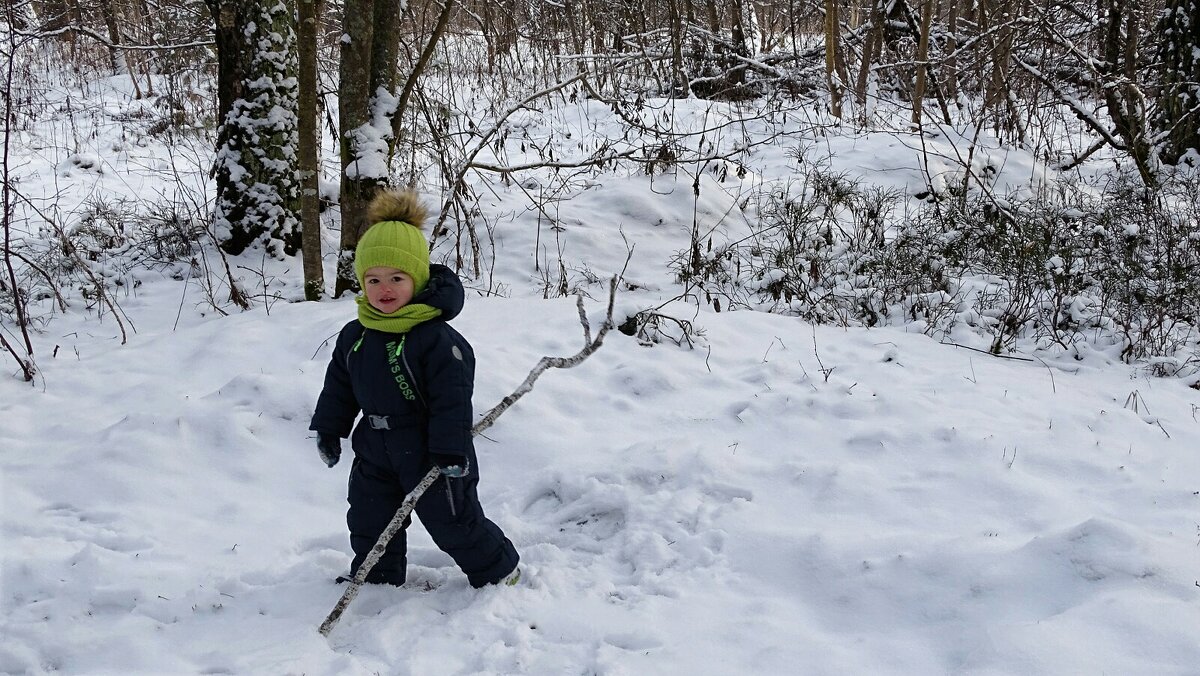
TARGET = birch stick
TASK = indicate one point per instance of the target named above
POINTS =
(393, 527)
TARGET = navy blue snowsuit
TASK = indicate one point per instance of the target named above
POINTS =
(414, 391)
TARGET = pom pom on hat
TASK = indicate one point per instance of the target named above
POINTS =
(397, 205)
(395, 239)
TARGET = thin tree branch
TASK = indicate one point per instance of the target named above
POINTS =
(1071, 103)
(571, 164)
(84, 30)
(101, 290)
(27, 366)
(1082, 157)
(62, 302)
(419, 67)
(485, 137)
(550, 362)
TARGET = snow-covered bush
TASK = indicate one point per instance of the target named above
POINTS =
(91, 253)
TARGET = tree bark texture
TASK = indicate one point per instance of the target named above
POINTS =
(926, 77)
(1178, 118)
(872, 48)
(1123, 95)
(258, 195)
(367, 81)
(679, 78)
(114, 34)
(308, 150)
(950, 68)
(737, 74)
(922, 60)
(360, 178)
(28, 370)
(835, 70)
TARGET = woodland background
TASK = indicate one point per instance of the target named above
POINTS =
(904, 371)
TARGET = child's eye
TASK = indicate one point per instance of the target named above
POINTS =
(397, 280)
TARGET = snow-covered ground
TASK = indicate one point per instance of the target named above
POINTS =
(781, 499)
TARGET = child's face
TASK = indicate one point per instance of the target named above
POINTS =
(388, 289)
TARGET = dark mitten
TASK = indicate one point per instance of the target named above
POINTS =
(453, 466)
(330, 448)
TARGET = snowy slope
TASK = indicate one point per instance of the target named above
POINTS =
(722, 510)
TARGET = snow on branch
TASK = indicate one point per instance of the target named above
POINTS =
(1073, 103)
(85, 31)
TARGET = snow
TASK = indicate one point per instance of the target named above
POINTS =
(784, 498)
(922, 509)
(371, 161)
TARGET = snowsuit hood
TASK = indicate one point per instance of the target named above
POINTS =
(444, 291)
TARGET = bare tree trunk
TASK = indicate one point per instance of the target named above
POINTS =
(308, 152)
(922, 60)
(714, 19)
(596, 22)
(679, 79)
(998, 14)
(361, 174)
(368, 74)
(930, 79)
(872, 48)
(25, 360)
(573, 25)
(145, 33)
(951, 65)
(114, 35)
(1122, 91)
(767, 14)
(737, 75)
(792, 21)
(834, 76)
(498, 21)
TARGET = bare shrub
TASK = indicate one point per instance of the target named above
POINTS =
(1116, 266)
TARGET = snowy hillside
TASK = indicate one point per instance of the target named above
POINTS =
(725, 510)
(781, 498)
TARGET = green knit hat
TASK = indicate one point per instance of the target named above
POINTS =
(395, 239)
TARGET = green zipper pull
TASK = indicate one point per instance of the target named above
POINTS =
(400, 347)
(358, 342)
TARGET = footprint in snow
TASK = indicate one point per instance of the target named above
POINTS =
(97, 527)
(633, 642)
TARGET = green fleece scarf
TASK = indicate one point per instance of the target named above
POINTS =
(400, 321)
